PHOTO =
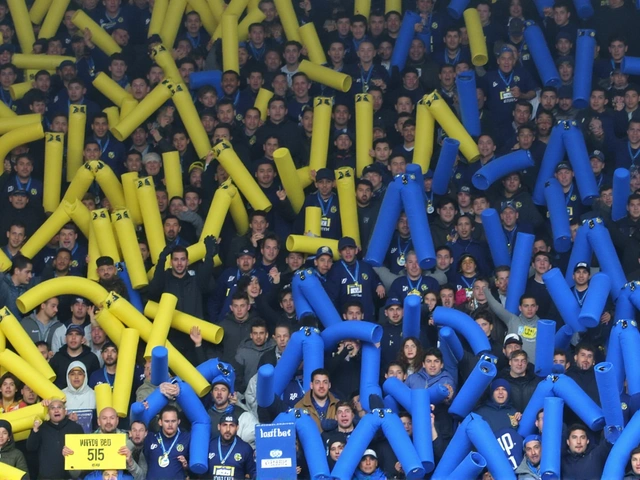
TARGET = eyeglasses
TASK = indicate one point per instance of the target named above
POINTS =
(56, 407)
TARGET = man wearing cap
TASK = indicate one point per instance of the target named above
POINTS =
(79, 314)
(323, 263)
(581, 277)
(342, 155)
(368, 467)
(401, 244)
(529, 468)
(108, 276)
(222, 407)
(512, 343)
(21, 209)
(565, 175)
(376, 173)
(513, 191)
(597, 161)
(367, 211)
(73, 350)
(42, 324)
(509, 219)
(229, 455)
(566, 110)
(328, 202)
(351, 278)
(391, 331)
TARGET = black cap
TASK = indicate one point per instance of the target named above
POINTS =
(18, 191)
(81, 300)
(375, 167)
(391, 302)
(580, 265)
(325, 174)
(597, 154)
(66, 63)
(512, 338)
(516, 27)
(7, 47)
(105, 260)
(246, 251)
(75, 328)
(564, 166)
(345, 242)
(228, 419)
(508, 204)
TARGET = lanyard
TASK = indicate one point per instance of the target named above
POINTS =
(511, 236)
(402, 252)
(103, 147)
(468, 284)
(257, 52)
(507, 81)
(413, 287)
(239, 274)
(365, 81)
(449, 61)
(567, 197)
(194, 41)
(327, 209)
(106, 376)
(19, 184)
(353, 277)
(233, 445)
(600, 178)
(166, 453)
(579, 296)
(633, 156)
(429, 197)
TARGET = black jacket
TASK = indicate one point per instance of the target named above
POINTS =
(61, 361)
(522, 388)
(48, 442)
(586, 466)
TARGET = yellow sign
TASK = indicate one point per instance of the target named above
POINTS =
(95, 451)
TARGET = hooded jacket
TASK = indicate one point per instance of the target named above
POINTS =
(32, 327)
(48, 442)
(421, 379)
(61, 361)
(524, 471)
(248, 358)
(9, 454)
(498, 416)
(585, 466)
(83, 398)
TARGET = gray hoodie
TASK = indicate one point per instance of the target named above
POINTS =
(83, 398)
(38, 332)
(248, 358)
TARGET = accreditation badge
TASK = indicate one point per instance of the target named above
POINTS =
(163, 461)
(354, 289)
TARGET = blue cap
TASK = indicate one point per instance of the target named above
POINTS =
(324, 251)
(428, 174)
(73, 328)
(391, 302)
(531, 438)
(345, 242)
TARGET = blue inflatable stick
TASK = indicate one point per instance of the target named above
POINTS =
(627, 300)
(421, 420)
(351, 330)
(545, 342)
(403, 41)
(317, 297)
(134, 295)
(563, 297)
(621, 190)
(458, 448)
(438, 393)
(480, 378)
(449, 338)
(496, 238)
(614, 352)
(444, 168)
(207, 77)
(552, 438)
(602, 246)
(484, 440)
(541, 5)
(584, 9)
(580, 252)
(455, 9)
(412, 194)
(621, 452)
(159, 365)
(558, 215)
(464, 325)
(200, 428)
(536, 402)
(519, 271)
(385, 226)
(411, 320)
(501, 167)
(467, 95)
(553, 155)
(214, 370)
(541, 55)
(630, 65)
(595, 300)
(577, 151)
(399, 392)
(156, 401)
(264, 389)
(303, 308)
(369, 374)
(471, 467)
(610, 400)
(563, 338)
(585, 53)
(305, 344)
(629, 341)
(578, 401)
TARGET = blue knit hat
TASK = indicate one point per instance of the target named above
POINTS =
(501, 382)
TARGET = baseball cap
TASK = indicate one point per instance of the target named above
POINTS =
(345, 242)
(597, 154)
(580, 265)
(324, 251)
(104, 260)
(508, 204)
(531, 438)
(195, 165)
(465, 189)
(75, 329)
(220, 381)
(246, 251)
(151, 157)
(66, 63)
(81, 300)
(375, 167)
(370, 453)
(19, 191)
(564, 166)
(325, 174)
(512, 338)
(228, 419)
(391, 302)
(343, 132)
(563, 35)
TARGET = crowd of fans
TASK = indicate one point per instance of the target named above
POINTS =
(250, 295)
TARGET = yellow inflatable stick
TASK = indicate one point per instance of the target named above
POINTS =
(217, 8)
(113, 115)
(288, 19)
(32, 61)
(206, 16)
(362, 7)
(130, 189)
(110, 185)
(30, 376)
(172, 21)
(310, 245)
(311, 41)
(79, 214)
(20, 136)
(94, 254)
(189, 115)
(55, 287)
(289, 178)
(196, 252)
(110, 89)
(53, 19)
(239, 214)
(111, 325)
(262, 102)
(254, 15)
(6, 112)
(346, 186)
(156, 98)
(304, 176)
(320, 132)
(393, 6)
(151, 219)
(236, 7)
(313, 221)
(23, 344)
(128, 106)
(128, 315)
(230, 43)
(12, 473)
(47, 230)
(99, 37)
(477, 41)
(364, 131)
(183, 322)
(53, 152)
(161, 323)
(253, 4)
(22, 25)
(75, 139)
(425, 126)
(19, 90)
(3, 341)
(101, 223)
(82, 179)
(39, 10)
(163, 58)
(158, 15)
(326, 76)
(172, 173)
(5, 264)
(229, 160)
(104, 397)
(124, 371)
(126, 232)
(452, 126)
(218, 210)
(9, 124)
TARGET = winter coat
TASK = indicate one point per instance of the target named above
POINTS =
(83, 398)
(307, 404)
(498, 416)
(422, 379)
(48, 442)
(61, 361)
(585, 466)
(9, 454)
(248, 358)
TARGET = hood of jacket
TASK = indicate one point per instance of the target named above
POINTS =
(11, 443)
(85, 385)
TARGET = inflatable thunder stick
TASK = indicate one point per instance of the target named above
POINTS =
(110, 185)
(385, 225)
(404, 39)
(541, 55)
(99, 36)
(151, 219)
(239, 214)
(576, 149)
(9, 124)
(520, 262)
(287, 174)
(558, 215)
(253, 16)
(110, 89)
(477, 42)
(38, 11)
(550, 461)
(501, 167)
(553, 155)
(583, 74)
(456, 7)
(125, 230)
(124, 371)
(621, 189)
(326, 76)
(104, 396)
(101, 222)
(412, 193)
(468, 100)
(364, 131)
(444, 168)
(183, 322)
(161, 323)
(311, 41)
(29, 375)
(262, 103)
(496, 238)
(320, 132)
(346, 185)
(423, 147)
(53, 155)
(609, 394)
(230, 42)
(22, 25)
(158, 15)
(206, 15)
(288, 19)
(172, 21)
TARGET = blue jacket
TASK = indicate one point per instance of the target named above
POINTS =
(588, 465)
(421, 379)
(498, 416)
(340, 285)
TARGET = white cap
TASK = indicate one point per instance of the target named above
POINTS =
(370, 452)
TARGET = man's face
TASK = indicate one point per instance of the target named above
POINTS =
(506, 61)
(398, 165)
(28, 396)
(230, 84)
(324, 186)
(394, 313)
(277, 111)
(282, 336)
(526, 137)
(270, 250)
(16, 236)
(23, 276)
(363, 194)
(110, 356)
(163, 200)
(300, 87)
(500, 395)
(57, 411)
(486, 146)
(345, 416)
(413, 266)
(518, 365)
(323, 263)
(220, 395)
(432, 364)
(509, 217)
(74, 340)
(348, 254)
(341, 116)
(98, 337)
(179, 262)
(578, 441)
(50, 307)
(320, 386)
(228, 431)
(395, 371)
(92, 152)
(447, 213)
(336, 53)
(584, 359)
(259, 335)
(528, 307)
(533, 451)
(270, 146)
(549, 100)
(169, 423)
(291, 54)
(240, 309)
(617, 50)
(353, 313)
(171, 229)
(447, 297)
(108, 420)
(452, 40)
(581, 277)
(106, 272)
(294, 260)
(502, 281)
(76, 92)
(541, 264)
(76, 377)
(138, 433)
(443, 259)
